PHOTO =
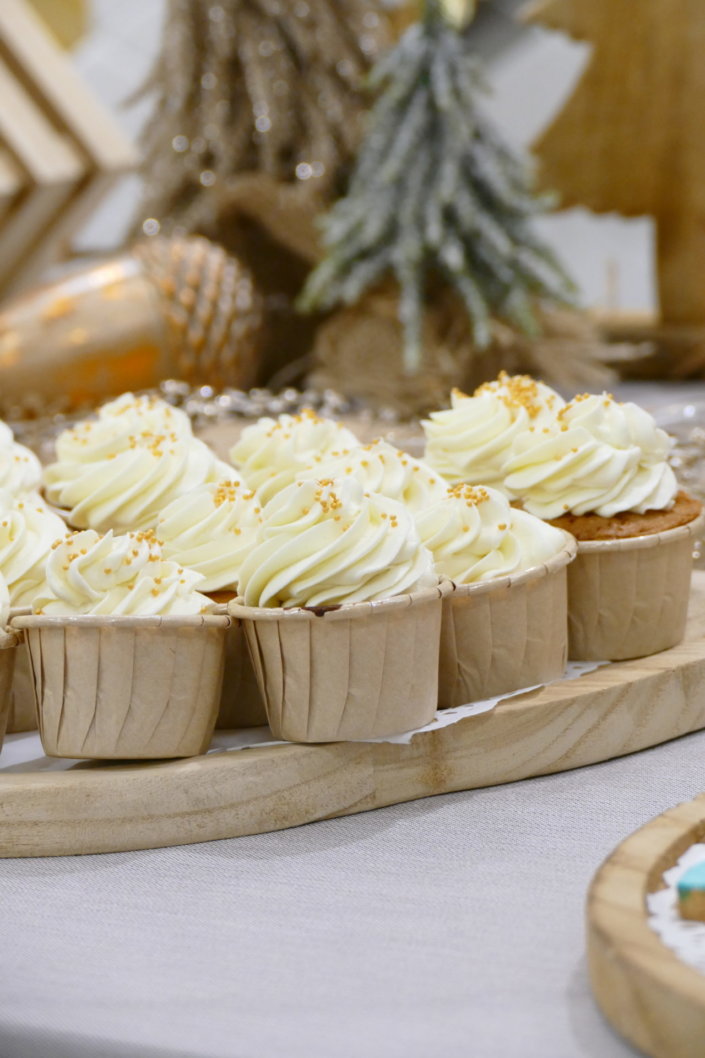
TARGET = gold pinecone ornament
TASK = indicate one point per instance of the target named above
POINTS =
(212, 309)
(169, 308)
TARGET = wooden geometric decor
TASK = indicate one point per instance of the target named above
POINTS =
(60, 150)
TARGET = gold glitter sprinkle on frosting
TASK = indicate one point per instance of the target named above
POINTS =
(517, 391)
(473, 495)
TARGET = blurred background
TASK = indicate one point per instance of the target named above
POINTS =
(381, 198)
(532, 72)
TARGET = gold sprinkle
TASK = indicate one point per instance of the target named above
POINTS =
(473, 495)
(515, 391)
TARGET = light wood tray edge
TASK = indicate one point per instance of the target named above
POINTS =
(616, 710)
(647, 993)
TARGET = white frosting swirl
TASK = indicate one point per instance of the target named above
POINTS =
(324, 543)
(211, 530)
(271, 452)
(20, 470)
(118, 575)
(598, 456)
(27, 531)
(148, 413)
(472, 439)
(474, 535)
(384, 469)
(119, 471)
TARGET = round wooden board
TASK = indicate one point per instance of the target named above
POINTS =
(615, 710)
(648, 994)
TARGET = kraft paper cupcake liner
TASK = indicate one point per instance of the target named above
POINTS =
(241, 702)
(364, 670)
(503, 634)
(126, 688)
(23, 709)
(9, 641)
(628, 598)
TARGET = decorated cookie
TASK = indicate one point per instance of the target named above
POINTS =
(691, 893)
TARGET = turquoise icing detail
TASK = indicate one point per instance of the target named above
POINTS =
(693, 880)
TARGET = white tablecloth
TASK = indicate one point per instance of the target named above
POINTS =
(451, 926)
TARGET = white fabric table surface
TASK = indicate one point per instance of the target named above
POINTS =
(451, 926)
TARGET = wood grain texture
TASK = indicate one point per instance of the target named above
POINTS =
(619, 709)
(646, 992)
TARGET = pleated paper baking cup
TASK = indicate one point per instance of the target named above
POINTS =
(126, 688)
(629, 598)
(23, 709)
(8, 656)
(365, 670)
(241, 702)
(501, 635)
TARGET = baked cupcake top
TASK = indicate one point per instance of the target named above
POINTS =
(119, 471)
(384, 469)
(474, 535)
(471, 440)
(327, 542)
(597, 456)
(20, 470)
(211, 530)
(116, 575)
(28, 529)
(271, 452)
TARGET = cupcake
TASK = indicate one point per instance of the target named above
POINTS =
(27, 531)
(601, 471)
(341, 608)
(211, 530)
(119, 470)
(384, 469)
(126, 658)
(471, 440)
(505, 625)
(20, 470)
(271, 452)
(8, 653)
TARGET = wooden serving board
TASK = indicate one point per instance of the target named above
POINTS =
(614, 710)
(648, 994)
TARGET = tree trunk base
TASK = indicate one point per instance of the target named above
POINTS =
(358, 352)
